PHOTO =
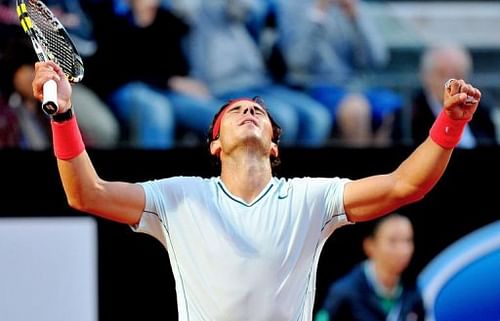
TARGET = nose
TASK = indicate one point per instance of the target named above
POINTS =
(249, 109)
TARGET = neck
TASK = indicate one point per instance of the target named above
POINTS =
(389, 281)
(245, 175)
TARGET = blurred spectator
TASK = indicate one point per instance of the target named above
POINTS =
(263, 27)
(329, 46)
(10, 132)
(226, 57)
(141, 51)
(374, 290)
(437, 65)
(99, 128)
(9, 23)
(69, 12)
(72, 15)
(496, 120)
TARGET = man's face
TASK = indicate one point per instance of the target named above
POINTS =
(446, 66)
(247, 123)
(247, 117)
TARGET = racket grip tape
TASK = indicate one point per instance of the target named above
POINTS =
(49, 104)
(67, 139)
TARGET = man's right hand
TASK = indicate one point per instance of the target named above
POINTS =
(45, 71)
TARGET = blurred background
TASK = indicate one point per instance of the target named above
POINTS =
(144, 115)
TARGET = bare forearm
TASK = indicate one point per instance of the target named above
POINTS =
(373, 196)
(79, 179)
(422, 169)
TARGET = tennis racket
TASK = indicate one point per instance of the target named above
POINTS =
(51, 42)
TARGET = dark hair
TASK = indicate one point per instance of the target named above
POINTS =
(17, 53)
(275, 160)
(377, 223)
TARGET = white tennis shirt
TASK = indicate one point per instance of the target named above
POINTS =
(234, 260)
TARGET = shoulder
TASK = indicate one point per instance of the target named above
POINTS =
(419, 101)
(310, 185)
(180, 183)
(313, 181)
(351, 282)
(187, 179)
(169, 17)
(413, 301)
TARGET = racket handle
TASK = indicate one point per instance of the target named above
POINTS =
(49, 104)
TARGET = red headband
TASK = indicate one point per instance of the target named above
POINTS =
(216, 128)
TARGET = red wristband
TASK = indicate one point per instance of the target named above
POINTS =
(447, 132)
(67, 139)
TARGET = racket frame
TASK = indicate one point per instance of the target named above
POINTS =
(49, 103)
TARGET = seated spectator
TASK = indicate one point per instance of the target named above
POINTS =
(148, 86)
(9, 22)
(328, 47)
(99, 127)
(226, 57)
(10, 132)
(98, 122)
(69, 12)
(437, 65)
(374, 290)
(77, 22)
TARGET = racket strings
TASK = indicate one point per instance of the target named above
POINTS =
(56, 45)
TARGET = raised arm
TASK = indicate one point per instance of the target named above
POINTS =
(85, 191)
(370, 197)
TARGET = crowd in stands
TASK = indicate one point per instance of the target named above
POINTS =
(156, 71)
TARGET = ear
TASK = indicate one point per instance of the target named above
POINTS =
(368, 246)
(274, 150)
(215, 148)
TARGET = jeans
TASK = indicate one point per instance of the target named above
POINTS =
(153, 115)
(147, 114)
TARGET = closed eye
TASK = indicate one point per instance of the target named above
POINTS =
(235, 108)
(259, 110)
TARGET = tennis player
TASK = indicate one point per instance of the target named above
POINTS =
(245, 245)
